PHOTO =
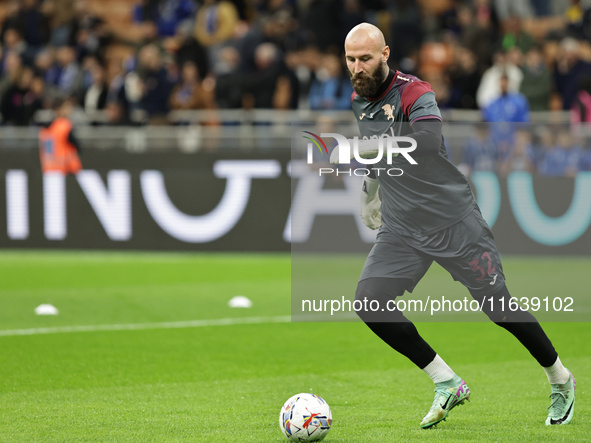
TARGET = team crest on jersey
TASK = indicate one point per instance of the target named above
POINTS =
(389, 111)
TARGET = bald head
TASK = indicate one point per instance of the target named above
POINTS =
(367, 56)
(367, 35)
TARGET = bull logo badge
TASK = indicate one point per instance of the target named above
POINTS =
(389, 110)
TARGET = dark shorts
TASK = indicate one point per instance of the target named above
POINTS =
(466, 250)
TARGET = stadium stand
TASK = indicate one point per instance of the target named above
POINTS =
(268, 56)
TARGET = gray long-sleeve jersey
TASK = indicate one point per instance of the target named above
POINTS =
(430, 195)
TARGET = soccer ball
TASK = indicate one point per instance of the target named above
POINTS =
(305, 417)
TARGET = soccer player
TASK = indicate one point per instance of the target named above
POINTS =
(429, 214)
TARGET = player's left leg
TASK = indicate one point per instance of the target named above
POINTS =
(524, 326)
(472, 258)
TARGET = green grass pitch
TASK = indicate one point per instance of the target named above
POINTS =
(215, 382)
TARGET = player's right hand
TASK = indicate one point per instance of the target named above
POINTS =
(371, 213)
(371, 205)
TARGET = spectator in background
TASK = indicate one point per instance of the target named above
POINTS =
(76, 26)
(189, 93)
(542, 8)
(521, 156)
(166, 14)
(66, 80)
(116, 91)
(464, 79)
(215, 22)
(11, 69)
(511, 107)
(92, 39)
(47, 71)
(585, 162)
(26, 17)
(480, 153)
(574, 17)
(544, 142)
(490, 83)
(85, 77)
(268, 87)
(477, 32)
(563, 159)
(228, 82)
(88, 31)
(581, 109)
(330, 89)
(351, 15)
(515, 36)
(569, 71)
(21, 100)
(154, 84)
(282, 30)
(513, 8)
(13, 42)
(60, 13)
(187, 49)
(277, 29)
(537, 80)
(504, 114)
(95, 97)
(405, 29)
(10, 15)
(484, 11)
(584, 29)
(303, 62)
(321, 24)
(449, 19)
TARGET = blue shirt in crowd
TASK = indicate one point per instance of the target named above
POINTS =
(333, 93)
(559, 161)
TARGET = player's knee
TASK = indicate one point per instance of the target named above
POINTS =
(501, 310)
(372, 297)
(364, 295)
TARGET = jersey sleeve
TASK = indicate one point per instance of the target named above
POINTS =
(418, 102)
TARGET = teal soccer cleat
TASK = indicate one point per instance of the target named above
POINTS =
(447, 396)
(562, 409)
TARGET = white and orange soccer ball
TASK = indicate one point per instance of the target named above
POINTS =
(305, 417)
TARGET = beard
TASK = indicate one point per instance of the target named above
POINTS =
(367, 85)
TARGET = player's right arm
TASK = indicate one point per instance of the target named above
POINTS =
(420, 107)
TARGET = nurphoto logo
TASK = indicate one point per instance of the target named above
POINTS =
(367, 151)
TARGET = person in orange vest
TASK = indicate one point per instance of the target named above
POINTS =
(58, 147)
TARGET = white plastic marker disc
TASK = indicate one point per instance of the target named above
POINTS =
(240, 301)
(46, 309)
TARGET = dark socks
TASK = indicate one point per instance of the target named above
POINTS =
(393, 327)
(522, 324)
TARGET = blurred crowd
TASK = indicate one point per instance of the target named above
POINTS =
(551, 150)
(504, 58)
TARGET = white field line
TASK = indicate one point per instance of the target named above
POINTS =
(140, 326)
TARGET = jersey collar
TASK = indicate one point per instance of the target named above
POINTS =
(386, 86)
